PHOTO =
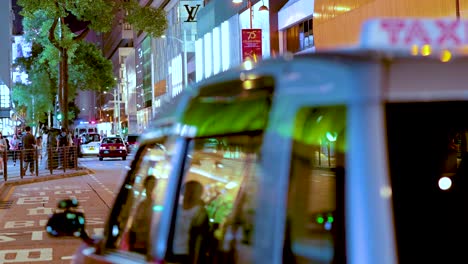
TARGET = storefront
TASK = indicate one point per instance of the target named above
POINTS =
(338, 23)
(174, 53)
(296, 26)
(219, 46)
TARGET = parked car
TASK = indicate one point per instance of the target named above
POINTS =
(112, 147)
(320, 158)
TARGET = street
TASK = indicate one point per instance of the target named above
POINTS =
(24, 211)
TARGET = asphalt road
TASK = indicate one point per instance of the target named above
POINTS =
(24, 210)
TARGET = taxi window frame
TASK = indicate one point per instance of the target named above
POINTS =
(338, 231)
(189, 146)
(109, 240)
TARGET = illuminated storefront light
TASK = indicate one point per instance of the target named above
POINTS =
(199, 59)
(216, 50)
(225, 45)
(176, 67)
(208, 55)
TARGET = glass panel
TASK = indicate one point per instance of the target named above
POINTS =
(211, 187)
(311, 31)
(427, 144)
(317, 163)
(301, 40)
(140, 199)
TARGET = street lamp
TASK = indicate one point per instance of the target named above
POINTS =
(117, 107)
(263, 8)
(184, 46)
(116, 102)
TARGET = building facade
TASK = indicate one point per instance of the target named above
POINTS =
(112, 106)
(295, 26)
(219, 45)
(338, 22)
(174, 53)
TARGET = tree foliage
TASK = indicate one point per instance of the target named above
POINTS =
(87, 68)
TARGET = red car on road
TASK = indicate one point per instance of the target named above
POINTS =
(112, 147)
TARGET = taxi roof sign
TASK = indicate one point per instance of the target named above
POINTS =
(402, 33)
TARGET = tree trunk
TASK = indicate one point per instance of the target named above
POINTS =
(60, 87)
(65, 88)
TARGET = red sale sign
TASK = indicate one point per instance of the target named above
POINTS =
(395, 33)
(251, 44)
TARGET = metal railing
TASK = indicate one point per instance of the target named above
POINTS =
(37, 162)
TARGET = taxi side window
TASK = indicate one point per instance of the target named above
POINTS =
(314, 232)
(214, 216)
(140, 200)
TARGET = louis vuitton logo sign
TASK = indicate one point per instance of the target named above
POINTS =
(191, 12)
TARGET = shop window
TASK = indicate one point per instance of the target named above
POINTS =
(300, 36)
(214, 217)
(140, 201)
(314, 230)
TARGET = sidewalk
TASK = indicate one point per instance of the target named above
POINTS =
(13, 174)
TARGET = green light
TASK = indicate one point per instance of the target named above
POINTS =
(330, 219)
(59, 116)
(71, 216)
(320, 219)
(331, 136)
(158, 208)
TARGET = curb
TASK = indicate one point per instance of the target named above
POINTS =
(7, 184)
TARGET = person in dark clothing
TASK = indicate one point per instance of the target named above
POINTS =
(192, 226)
(62, 143)
(29, 145)
(139, 232)
(77, 144)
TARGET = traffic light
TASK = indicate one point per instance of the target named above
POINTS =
(59, 116)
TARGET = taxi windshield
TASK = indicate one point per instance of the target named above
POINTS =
(112, 141)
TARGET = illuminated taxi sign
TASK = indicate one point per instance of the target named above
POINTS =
(397, 33)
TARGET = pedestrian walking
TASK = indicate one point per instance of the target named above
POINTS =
(29, 144)
(39, 146)
(62, 143)
(3, 148)
(14, 147)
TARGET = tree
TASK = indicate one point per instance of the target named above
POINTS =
(70, 62)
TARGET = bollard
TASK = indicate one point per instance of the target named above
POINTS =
(36, 162)
(75, 158)
(5, 165)
(21, 163)
(65, 158)
(50, 158)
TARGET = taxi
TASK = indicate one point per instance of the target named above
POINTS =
(90, 143)
(112, 147)
(346, 156)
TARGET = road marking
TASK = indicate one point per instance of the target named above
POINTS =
(10, 192)
(25, 255)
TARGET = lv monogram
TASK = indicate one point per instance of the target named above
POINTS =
(192, 13)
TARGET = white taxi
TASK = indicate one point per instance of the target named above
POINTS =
(357, 156)
(90, 144)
